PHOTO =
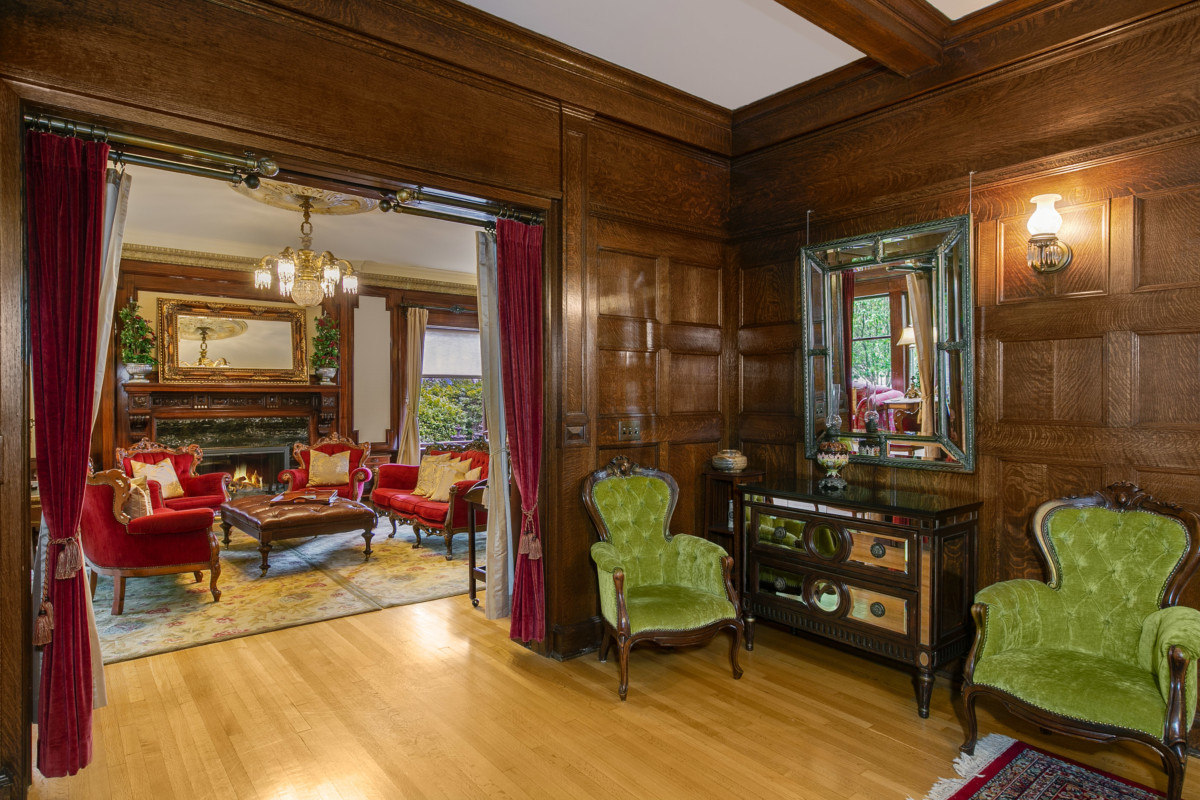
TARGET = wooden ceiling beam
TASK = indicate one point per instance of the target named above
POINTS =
(903, 35)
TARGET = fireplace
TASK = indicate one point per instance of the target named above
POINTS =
(254, 450)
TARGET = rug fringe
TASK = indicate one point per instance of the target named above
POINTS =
(987, 750)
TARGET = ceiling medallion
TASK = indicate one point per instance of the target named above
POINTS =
(292, 196)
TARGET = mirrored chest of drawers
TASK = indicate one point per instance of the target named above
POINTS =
(887, 572)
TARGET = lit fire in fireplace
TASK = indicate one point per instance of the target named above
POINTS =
(243, 479)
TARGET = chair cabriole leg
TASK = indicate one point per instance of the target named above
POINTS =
(118, 605)
(623, 646)
(970, 723)
(734, 646)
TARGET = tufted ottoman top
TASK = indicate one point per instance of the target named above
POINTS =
(267, 516)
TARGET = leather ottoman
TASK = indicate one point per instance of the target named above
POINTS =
(268, 522)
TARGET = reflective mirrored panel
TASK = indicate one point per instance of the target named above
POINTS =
(888, 343)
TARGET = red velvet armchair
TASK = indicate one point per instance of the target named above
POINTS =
(161, 543)
(359, 475)
(199, 491)
(393, 496)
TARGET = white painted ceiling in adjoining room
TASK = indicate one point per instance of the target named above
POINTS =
(184, 212)
(729, 52)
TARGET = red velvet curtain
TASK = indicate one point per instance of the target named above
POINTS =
(65, 215)
(519, 273)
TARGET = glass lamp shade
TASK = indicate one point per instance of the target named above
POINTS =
(1045, 221)
(350, 283)
(907, 337)
(307, 292)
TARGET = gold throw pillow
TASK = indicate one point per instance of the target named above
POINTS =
(446, 480)
(428, 471)
(325, 470)
(138, 502)
(163, 473)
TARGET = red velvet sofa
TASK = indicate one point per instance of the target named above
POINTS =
(393, 496)
(297, 478)
(163, 542)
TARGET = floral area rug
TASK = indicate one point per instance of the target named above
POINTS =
(1005, 769)
(312, 579)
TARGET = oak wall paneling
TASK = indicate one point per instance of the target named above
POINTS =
(1082, 375)
(16, 555)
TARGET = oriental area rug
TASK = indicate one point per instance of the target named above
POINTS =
(310, 580)
(1005, 769)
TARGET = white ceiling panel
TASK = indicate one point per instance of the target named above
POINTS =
(168, 209)
(955, 9)
(729, 52)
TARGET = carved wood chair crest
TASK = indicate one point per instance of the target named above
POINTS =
(147, 446)
(332, 438)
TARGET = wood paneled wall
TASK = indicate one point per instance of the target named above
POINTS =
(645, 277)
(633, 178)
(1083, 377)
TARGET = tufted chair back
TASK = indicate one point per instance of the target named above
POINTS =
(1111, 569)
(635, 509)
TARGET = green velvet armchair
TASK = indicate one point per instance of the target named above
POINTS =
(1102, 651)
(655, 587)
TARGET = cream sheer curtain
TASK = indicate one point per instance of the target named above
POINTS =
(497, 600)
(414, 352)
(921, 307)
(116, 204)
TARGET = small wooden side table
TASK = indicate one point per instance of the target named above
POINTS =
(721, 505)
(475, 573)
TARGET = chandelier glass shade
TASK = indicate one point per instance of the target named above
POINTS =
(304, 276)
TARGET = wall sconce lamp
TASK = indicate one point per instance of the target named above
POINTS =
(1046, 252)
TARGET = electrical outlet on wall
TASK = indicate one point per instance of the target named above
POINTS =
(629, 430)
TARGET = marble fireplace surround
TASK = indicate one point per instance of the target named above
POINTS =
(254, 425)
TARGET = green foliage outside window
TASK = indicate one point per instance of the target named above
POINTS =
(136, 339)
(871, 350)
(450, 408)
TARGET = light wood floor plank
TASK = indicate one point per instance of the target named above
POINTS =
(433, 701)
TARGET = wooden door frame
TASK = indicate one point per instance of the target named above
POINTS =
(16, 741)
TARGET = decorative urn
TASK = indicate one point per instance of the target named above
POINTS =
(138, 372)
(729, 461)
(327, 374)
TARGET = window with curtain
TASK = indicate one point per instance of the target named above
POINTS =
(871, 351)
(451, 407)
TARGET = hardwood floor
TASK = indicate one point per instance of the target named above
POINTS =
(434, 701)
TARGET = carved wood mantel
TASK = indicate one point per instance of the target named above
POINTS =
(147, 403)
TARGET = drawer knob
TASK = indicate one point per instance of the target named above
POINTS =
(779, 534)
(877, 609)
(878, 550)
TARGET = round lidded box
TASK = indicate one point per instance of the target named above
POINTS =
(729, 461)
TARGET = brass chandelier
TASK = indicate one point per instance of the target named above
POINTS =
(303, 275)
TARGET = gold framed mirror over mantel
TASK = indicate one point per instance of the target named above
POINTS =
(230, 342)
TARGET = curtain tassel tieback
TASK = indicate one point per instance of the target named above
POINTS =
(530, 544)
(70, 558)
(44, 626)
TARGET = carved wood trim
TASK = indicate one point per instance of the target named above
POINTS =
(147, 446)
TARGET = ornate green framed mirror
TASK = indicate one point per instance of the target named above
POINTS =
(889, 361)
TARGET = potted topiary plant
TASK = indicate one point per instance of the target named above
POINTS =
(326, 347)
(137, 343)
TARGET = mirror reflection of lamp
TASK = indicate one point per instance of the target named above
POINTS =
(1046, 252)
